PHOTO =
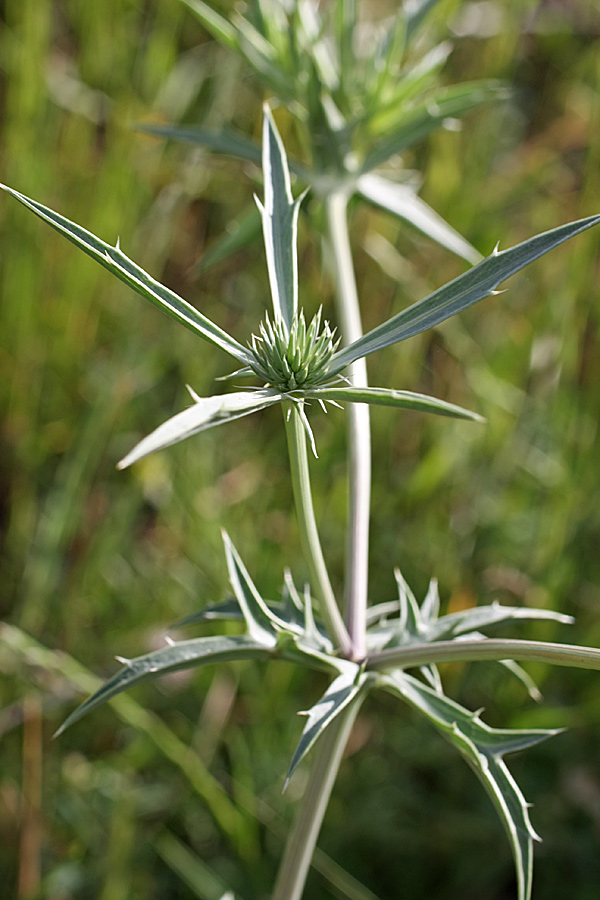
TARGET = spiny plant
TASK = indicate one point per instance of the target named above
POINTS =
(393, 646)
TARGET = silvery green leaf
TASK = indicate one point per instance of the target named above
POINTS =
(225, 141)
(342, 691)
(479, 282)
(524, 677)
(280, 225)
(262, 623)
(214, 23)
(430, 607)
(382, 611)
(513, 667)
(388, 397)
(262, 57)
(399, 88)
(403, 127)
(473, 620)
(207, 412)
(416, 11)
(172, 658)
(409, 620)
(113, 259)
(402, 200)
(227, 610)
(484, 749)
(345, 28)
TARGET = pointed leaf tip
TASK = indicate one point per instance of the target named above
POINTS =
(280, 224)
(459, 294)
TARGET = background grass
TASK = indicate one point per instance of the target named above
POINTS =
(185, 798)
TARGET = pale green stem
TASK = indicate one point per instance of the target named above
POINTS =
(302, 838)
(307, 525)
(486, 648)
(359, 430)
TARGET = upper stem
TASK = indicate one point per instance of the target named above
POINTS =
(359, 429)
(309, 535)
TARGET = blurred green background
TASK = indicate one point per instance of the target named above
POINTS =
(175, 790)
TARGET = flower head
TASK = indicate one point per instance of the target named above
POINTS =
(298, 359)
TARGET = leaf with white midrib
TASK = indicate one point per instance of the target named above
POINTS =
(173, 657)
(377, 396)
(459, 294)
(280, 224)
(342, 691)
(113, 259)
(206, 412)
(469, 620)
(262, 623)
(483, 748)
(403, 201)
(226, 141)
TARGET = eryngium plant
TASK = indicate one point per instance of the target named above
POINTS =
(355, 110)
(402, 642)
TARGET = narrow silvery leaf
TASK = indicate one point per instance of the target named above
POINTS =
(226, 141)
(483, 748)
(214, 23)
(227, 610)
(459, 294)
(382, 611)
(473, 620)
(409, 621)
(262, 624)
(405, 128)
(181, 655)
(280, 225)
(402, 200)
(262, 57)
(113, 259)
(342, 691)
(524, 677)
(207, 412)
(416, 11)
(430, 607)
(389, 397)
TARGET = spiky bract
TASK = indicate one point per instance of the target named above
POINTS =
(295, 360)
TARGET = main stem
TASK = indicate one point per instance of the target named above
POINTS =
(309, 535)
(359, 430)
(328, 752)
(302, 838)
